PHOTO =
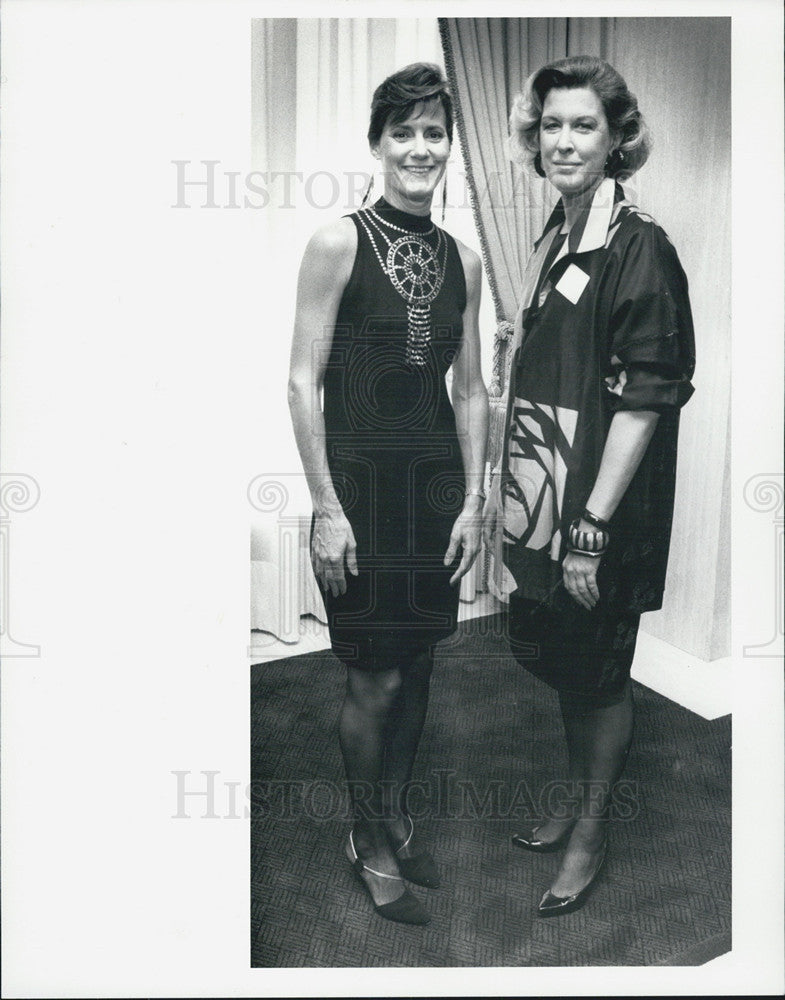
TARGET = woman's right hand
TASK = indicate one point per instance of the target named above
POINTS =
(331, 544)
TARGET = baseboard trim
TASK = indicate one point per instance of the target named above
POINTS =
(702, 686)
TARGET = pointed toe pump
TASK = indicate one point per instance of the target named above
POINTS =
(406, 909)
(554, 906)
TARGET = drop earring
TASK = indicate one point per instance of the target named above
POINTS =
(614, 162)
(444, 195)
(367, 195)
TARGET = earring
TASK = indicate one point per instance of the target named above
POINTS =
(367, 195)
(614, 162)
(444, 195)
(538, 164)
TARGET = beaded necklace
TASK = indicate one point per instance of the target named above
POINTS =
(416, 273)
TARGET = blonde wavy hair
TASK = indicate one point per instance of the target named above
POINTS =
(620, 105)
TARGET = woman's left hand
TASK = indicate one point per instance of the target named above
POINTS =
(466, 535)
(580, 579)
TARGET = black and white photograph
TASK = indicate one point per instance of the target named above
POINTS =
(468, 332)
(483, 625)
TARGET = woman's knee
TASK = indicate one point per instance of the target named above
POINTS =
(374, 692)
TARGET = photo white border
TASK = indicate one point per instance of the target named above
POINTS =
(128, 396)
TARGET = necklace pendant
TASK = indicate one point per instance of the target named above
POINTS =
(419, 334)
(416, 270)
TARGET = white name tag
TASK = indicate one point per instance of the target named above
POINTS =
(572, 283)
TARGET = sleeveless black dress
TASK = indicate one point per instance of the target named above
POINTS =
(392, 449)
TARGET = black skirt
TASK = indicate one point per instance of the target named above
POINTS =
(584, 655)
(390, 616)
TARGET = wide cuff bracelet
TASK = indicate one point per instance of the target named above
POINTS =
(589, 542)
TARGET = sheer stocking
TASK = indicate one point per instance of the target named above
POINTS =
(364, 716)
(402, 737)
(598, 743)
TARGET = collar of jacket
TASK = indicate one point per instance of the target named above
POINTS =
(590, 231)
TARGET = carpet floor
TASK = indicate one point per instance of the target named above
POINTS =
(491, 748)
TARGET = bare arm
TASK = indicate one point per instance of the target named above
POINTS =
(324, 272)
(470, 402)
(628, 438)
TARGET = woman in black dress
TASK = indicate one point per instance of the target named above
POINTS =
(387, 303)
(582, 504)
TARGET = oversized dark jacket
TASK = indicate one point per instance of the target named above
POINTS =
(604, 325)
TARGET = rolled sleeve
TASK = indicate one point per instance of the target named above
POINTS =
(652, 342)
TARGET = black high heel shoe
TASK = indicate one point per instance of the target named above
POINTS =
(406, 909)
(555, 906)
(531, 843)
(420, 869)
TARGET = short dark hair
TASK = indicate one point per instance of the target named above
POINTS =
(620, 105)
(397, 96)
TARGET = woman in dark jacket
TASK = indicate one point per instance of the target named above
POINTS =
(581, 505)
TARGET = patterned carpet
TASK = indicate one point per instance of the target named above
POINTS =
(491, 744)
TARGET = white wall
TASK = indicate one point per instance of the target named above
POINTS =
(679, 68)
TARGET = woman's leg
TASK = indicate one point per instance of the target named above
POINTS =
(601, 738)
(402, 738)
(567, 811)
(364, 717)
(534, 633)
